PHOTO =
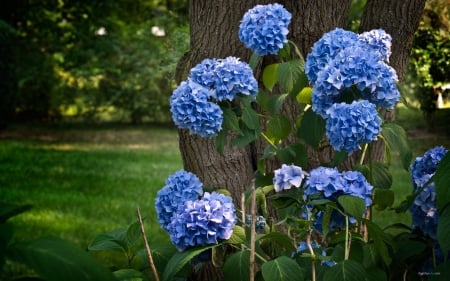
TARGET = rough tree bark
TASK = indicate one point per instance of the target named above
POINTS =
(213, 34)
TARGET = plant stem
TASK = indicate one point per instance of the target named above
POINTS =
(268, 140)
(347, 244)
(147, 247)
(252, 234)
(313, 256)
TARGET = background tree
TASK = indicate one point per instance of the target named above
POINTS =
(213, 34)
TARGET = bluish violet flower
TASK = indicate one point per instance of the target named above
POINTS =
(423, 168)
(325, 49)
(191, 110)
(356, 184)
(378, 41)
(323, 179)
(288, 176)
(349, 125)
(264, 28)
(225, 78)
(202, 222)
(180, 187)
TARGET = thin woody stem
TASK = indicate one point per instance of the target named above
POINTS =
(147, 247)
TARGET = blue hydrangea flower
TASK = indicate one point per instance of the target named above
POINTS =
(349, 125)
(325, 49)
(226, 78)
(202, 222)
(357, 185)
(423, 168)
(264, 28)
(323, 179)
(378, 41)
(180, 187)
(191, 110)
(303, 247)
(287, 176)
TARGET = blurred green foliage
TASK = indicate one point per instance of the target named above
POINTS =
(86, 59)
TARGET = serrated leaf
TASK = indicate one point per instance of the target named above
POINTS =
(289, 72)
(250, 118)
(278, 128)
(53, 259)
(238, 236)
(443, 230)
(396, 140)
(347, 270)
(312, 128)
(442, 181)
(179, 260)
(237, 266)
(353, 206)
(270, 76)
(383, 198)
(282, 269)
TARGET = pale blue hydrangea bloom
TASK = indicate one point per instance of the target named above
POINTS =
(357, 185)
(180, 187)
(203, 73)
(349, 125)
(323, 179)
(424, 209)
(264, 28)
(378, 41)
(191, 110)
(202, 222)
(288, 176)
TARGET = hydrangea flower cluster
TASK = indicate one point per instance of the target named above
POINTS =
(180, 186)
(264, 28)
(379, 41)
(193, 103)
(288, 176)
(303, 247)
(349, 125)
(424, 209)
(203, 221)
(329, 183)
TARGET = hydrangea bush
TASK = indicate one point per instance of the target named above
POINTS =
(321, 225)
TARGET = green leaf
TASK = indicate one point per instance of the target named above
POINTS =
(110, 241)
(221, 140)
(237, 266)
(442, 182)
(269, 76)
(305, 96)
(278, 238)
(396, 140)
(380, 240)
(250, 118)
(254, 60)
(278, 128)
(383, 198)
(128, 274)
(353, 206)
(380, 177)
(275, 103)
(238, 236)
(282, 269)
(133, 234)
(347, 270)
(443, 230)
(289, 72)
(230, 120)
(339, 157)
(8, 210)
(179, 260)
(376, 274)
(312, 128)
(246, 137)
(53, 259)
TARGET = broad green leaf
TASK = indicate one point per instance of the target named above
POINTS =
(254, 60)
(396, 140)
(275, 103)
(282, 269)
(407, 248)
(8, 210)
(221, 140)
(279, 239)
(376, 274)
(383, 198)
(230, 120)
(353, 206)
(250, 118)
(278, 128)
(129, 274)
(294, 154)
(179, 260)
(339, 157)
(270, 76)
(442, 182)
(442, 272)
(380, 240)
(237, 266)
(110, 241)
(133, 234)
(54, 259)
(289, 72)
(238, 236)
(305, 96)
(161, 253)
(380, 177)
(245, 138)
(263, 100)
(312, 128)
(347, 270)
(443, 230)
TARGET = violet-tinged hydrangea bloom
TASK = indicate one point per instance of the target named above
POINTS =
(191, 110)
(378, 41)
(288, 176)
(226, 78)
(423, 168)
(180, 187)
(264, 28)
(303, 247)
(424, 209)
(357, 185)
(202, 222)
(349, 125)
(325, 49)
(323, 179)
